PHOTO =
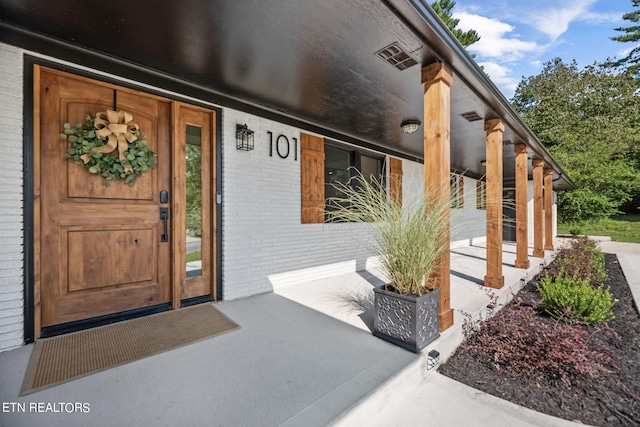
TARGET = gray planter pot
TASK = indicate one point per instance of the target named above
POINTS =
(407, 321)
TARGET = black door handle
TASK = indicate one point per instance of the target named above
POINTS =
(164, 215)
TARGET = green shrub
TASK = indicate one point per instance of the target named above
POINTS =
(194, 221)
(584, 204)
(569, 298)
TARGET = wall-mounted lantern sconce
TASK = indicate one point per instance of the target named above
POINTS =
(410, 126)
(244, 138)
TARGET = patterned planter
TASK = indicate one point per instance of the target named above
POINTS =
(404, 320)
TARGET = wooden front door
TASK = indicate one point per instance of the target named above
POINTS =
(99, 249)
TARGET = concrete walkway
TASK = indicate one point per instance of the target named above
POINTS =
(304, 356)
(629, 258)
(287, 365)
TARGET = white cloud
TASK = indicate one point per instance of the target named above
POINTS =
(499, 75)
(495, 38)
(627, 51)
(515, 35)
(601, 18)
(554, 21)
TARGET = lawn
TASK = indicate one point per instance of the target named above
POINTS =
(622, 228)
(194, 256)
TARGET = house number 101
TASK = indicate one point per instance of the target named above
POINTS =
(282, 146)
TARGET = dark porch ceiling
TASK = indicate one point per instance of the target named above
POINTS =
(311, 60)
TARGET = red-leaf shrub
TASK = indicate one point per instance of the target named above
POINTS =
(582, 259)
(517, 342)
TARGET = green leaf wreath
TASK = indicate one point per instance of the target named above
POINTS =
(136, 160)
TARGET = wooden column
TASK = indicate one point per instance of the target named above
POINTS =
(437, 80)
(494, 129)
(395, 180)
(522, 181)
(548, 209)
(537, 208)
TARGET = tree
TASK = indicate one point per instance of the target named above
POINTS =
(193, 186)
(631, 34)
(443, 8)
(589, 120)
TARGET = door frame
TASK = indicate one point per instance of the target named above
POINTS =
(182, 115)
(31, 214)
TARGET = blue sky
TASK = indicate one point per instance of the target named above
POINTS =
(519, 36)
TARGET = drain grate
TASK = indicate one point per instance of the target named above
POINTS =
(395, 55)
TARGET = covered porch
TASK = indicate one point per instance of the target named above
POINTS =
(353, 73)
(303, 355)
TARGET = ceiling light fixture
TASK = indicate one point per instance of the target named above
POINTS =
(410, 126)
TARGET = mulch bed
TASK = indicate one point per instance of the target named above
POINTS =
(608, 400)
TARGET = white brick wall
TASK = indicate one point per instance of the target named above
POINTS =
(266, 246)
(11, 194)
(468, 224)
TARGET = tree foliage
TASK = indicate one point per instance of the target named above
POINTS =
(193, 186)
(444, 10)
(589, 120)
(631, 34)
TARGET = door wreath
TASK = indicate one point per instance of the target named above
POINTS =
(110, 144)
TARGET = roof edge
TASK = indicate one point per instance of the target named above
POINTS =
(423, 20)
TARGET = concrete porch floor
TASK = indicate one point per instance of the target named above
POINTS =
(304, 356)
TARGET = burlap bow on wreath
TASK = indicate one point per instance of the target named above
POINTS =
(120, 130)
(110, 144)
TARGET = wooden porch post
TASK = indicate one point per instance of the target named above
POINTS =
(537, 208)
(522, 233)
(395, 180)
(548, 206)
(494, 129)
(437, 80)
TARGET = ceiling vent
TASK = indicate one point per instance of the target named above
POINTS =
(395, 55)
(472, 116)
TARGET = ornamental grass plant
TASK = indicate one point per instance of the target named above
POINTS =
(407, 237)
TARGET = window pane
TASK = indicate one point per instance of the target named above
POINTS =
(480, 195)
(336, 169)
(456, 187)
(338, 164)
(193, 200)
(371, 168)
